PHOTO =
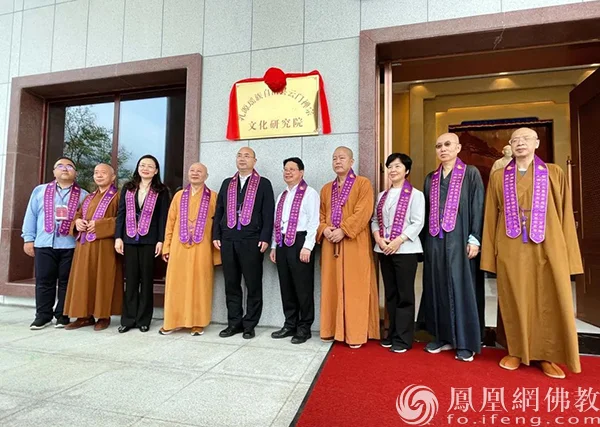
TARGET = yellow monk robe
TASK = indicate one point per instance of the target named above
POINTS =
(96, 280)
(190, 271)
(534, 285)
(349, 303)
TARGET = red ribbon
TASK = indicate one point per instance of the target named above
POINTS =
(233, 129)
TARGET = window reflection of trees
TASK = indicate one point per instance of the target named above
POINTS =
(88, 144)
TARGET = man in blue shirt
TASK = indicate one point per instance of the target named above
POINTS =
(46, 233)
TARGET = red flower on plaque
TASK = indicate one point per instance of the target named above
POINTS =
(275, 79)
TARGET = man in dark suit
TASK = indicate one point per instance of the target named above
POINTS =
(242, 231)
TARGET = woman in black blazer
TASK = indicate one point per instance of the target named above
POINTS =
(140, 232)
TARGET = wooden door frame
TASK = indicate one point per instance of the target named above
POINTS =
(533, 29)
(580, 96)
(501, 32)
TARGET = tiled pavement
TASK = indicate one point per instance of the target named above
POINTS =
(54, 377)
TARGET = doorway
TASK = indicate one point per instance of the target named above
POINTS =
(530, 63)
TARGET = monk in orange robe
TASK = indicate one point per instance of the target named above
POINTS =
(349, 303)
(534, 256)
(95, 289)
(190, 255)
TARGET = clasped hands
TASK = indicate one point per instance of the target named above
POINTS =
(334, 235)
(389, 247)
(85, 226)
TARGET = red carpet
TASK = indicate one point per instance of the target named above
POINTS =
(362, 388)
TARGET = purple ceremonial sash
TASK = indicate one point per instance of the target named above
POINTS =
(98, 213)
(134, 229)
(290, 234)
(514, 216)
(399, 216)
(250, 197)
(448, 222)
(339, 199)
(185, 236)
(65, 225)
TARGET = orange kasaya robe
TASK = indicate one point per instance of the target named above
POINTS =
(190, 270)
(349, 302)
(96, 280)
(534, 284)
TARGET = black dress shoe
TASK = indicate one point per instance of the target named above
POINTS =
(144, 328)
(122, 329)
(299, 339)
(229, 331)
(249, 334)
(283, 332)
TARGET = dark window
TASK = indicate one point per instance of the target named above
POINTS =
(118, 129)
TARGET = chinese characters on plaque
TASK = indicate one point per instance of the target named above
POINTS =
(263, 113)
(278, 105)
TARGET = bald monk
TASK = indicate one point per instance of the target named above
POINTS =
(452, 287)
(188, 250)
(349, 302)
(501, 163)
(95, 289)
(533, 257)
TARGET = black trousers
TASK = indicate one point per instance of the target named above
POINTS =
(297, 284)
(138, 303)
(242, 258)
(52, 266)
(399, 273)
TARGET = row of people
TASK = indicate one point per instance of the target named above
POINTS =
(243, 221)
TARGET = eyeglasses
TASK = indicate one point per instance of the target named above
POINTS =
(291, 170)
(522, 138)
(62, 167)
(446, 144)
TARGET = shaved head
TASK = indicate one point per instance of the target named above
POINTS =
(447, 147)
(345, 149)
(343, 159)
(197, 174)
(245, 161)
(449, 136)
(528, 132)
(199, 165)
(247, 150)
(104, 175)
(524, 142)
(104, 166)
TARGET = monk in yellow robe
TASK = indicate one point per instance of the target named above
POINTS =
(95, 289)
(190, 255)
(349, 303)
(530, 242)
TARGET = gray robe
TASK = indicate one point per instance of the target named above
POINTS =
(453, 286)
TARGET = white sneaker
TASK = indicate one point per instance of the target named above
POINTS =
(436, 347)
(465, 355)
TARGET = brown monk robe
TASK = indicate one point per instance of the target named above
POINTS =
(349, 304)
(95, 289)
(190, 271)
(534, 285)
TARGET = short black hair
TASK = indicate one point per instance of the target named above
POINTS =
(296, 160)
(65, 158)
(404, 159)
